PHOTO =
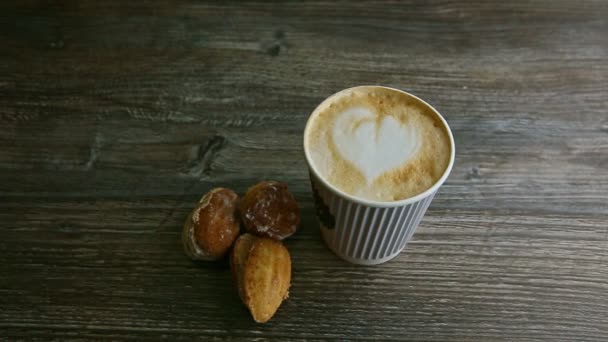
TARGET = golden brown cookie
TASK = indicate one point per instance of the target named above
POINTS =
(212, 226)
(262, 269)
(269, 209)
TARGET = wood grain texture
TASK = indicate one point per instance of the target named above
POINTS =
(115, 117)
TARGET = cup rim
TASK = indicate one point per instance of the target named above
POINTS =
(381, 204)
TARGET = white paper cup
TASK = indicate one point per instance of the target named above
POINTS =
(368, 232)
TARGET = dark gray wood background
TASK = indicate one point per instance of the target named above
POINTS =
(115, 117)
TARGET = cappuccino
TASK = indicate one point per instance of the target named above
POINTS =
(378, 143)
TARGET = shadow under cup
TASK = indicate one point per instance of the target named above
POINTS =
(368, 232)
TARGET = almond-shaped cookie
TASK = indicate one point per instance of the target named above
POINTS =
(262, 270)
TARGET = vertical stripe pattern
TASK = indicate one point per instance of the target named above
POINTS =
(365, 234)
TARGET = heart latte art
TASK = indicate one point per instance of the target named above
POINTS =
(373, 144)
(377, 143)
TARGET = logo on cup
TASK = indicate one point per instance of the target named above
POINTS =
(327, 219)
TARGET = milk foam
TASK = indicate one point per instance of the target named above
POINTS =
(374, 145)
(377, 143)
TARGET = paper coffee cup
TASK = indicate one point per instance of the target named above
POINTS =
(368, 232)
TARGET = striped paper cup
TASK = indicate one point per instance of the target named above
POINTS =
(368, 232)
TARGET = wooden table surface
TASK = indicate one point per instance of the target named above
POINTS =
(115, 117)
